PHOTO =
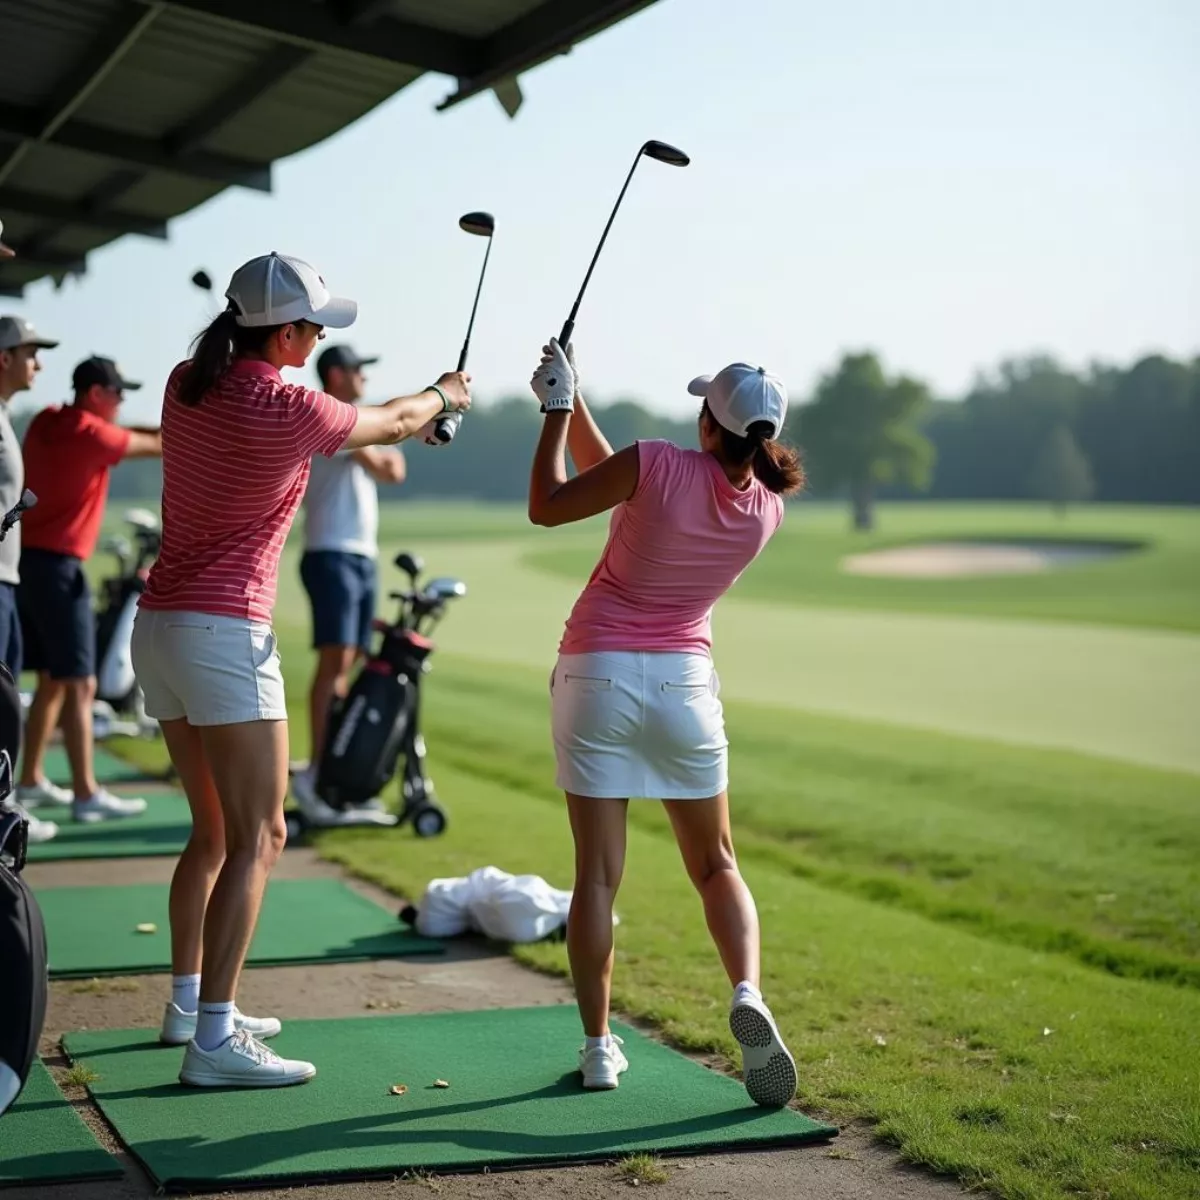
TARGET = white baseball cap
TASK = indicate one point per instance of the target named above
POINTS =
(276, 289)
(741, 395)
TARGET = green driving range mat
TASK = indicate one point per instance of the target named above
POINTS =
(94, 930)
(162, 829)
(108, 767)
(514, 1098)
(43, 1140)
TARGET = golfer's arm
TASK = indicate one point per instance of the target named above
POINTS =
(144, 444)
(587, 445)
(556, 500)
(386, 424)
(384, 464)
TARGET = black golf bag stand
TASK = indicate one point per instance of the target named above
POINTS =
(23, 969)
(119, 707)
(375, 730)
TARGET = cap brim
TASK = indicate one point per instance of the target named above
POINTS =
(337, 314)
(42, 344)
(127, 385)
(368, 362)
(700, 385)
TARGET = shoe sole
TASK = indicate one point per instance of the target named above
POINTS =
(768, 1069)
(244, 1081)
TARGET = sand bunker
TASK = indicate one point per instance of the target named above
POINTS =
(949, 560)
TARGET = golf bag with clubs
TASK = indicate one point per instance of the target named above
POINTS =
(23, 962)
(375, 730)
(117, 692)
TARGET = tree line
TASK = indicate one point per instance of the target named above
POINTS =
(1030, 429)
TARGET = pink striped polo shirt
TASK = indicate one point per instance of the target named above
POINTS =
(675, 547)
(234, 472)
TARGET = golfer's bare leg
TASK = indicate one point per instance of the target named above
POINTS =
(40, 723)
(706, 844)
(203, 856)
(331, 680)
(249, 766)
(598, 827)
(77, 734)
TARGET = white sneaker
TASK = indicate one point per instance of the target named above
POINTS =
(241, 1061)
(179, 1027)
(317, 812)
(44, 794)
(601, 1065)
(39, 830)
(768, 1070)
(104, 806)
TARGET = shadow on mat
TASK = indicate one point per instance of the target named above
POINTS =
(258, 1151)
(70, 1166)
(69, 834)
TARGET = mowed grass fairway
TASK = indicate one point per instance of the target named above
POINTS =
(969, 810)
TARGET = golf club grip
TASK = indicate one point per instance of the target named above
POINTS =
(444, 430)
(564, 338)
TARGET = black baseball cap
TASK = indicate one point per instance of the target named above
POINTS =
(103, 371)
(345, 357)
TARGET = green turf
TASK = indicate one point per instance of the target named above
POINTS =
(108, 768)
(162, 829)
(43, 1140)
(1013, 1069)
(93, 930)
(514, 1098)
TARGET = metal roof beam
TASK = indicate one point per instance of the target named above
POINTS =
(262, 76)
(103, 54)
(31, 204)
(17, 121)
(48, 260)
(314, 27)
(550, 29)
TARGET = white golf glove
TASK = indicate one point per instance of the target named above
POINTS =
(553, 382)
(428, 436)
(574, 368)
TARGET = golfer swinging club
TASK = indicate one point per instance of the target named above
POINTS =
(634, 693)
(237, 444)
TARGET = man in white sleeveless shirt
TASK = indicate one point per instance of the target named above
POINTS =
(338, 570)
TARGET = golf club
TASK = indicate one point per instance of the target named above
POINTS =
(26, 502)
(481, 224)
(202, 280)
(663, 153)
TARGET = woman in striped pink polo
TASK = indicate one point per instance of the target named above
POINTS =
(634, 692)
(237, 445)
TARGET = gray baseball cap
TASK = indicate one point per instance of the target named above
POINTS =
(277, 289)
(16, 331)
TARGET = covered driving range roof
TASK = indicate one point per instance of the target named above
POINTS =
(117, 115)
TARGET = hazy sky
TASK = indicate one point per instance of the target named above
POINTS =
(947, 182)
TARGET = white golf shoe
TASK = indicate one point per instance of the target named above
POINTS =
(104, 806)
(241, 1061)
(602, 1066)
(39, 830)
(179, 1027)
(44, 794)
(317, 812)
(768, 1070)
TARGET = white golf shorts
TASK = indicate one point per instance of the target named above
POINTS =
(212, 670)
(632, 723)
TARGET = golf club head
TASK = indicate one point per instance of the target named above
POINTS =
(203, 280)
(444, 588)
(481, 224)
(664, 153)
(411, 564)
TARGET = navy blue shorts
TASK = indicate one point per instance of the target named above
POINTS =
(341, 590)
(10, 629)
(57, 621)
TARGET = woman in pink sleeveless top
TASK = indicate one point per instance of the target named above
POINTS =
(634, 695)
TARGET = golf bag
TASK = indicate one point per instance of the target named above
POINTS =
(117, 691)
(378, 723)
(22, 933)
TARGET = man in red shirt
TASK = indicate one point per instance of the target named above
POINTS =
(69, 451)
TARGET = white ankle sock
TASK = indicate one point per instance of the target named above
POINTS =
(214, 1025)
(185, 992)
(746, 989)
(590, 1043)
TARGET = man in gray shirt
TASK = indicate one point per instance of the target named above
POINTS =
(338, 569)
(19, 346)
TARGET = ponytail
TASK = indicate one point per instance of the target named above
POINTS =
(213, 352)
(776, 466)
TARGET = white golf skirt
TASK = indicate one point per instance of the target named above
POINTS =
(632, 723)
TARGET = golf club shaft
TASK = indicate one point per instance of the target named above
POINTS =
(568, 328)
(446, 427)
